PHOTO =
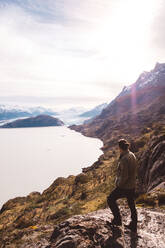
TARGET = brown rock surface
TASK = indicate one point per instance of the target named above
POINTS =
(93, 230)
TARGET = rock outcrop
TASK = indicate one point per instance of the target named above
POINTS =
(94, 231)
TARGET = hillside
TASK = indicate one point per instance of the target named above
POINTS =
(37, 121)
(137, 114)
(141, 104)
(29, 221)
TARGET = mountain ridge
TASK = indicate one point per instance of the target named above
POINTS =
(95, 111)
(76, 115)
(10, 112)
(131, 104)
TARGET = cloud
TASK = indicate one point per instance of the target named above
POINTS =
(58, 103)
(42, 59)
(158, 27)
(76, 48)
(63, 12)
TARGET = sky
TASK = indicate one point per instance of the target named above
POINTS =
(77, 53)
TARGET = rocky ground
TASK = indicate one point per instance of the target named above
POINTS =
(92, 230)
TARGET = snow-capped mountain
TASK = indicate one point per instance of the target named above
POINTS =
(151, 78)
(69, 116)
(137, 106)
(8, 112)
(72, 115)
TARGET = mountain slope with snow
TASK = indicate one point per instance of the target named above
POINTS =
(8, 112)
(138, 105)
(151, 78)
(95, 111)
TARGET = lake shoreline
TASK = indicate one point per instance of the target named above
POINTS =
(15, 139)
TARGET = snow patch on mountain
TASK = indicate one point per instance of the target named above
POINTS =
(145, 79)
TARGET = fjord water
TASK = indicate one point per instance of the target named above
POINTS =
(32, 158)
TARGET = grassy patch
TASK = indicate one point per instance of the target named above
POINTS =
(146, 200)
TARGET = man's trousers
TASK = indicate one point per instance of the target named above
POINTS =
(122, 193)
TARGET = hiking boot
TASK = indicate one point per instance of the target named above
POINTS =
(116, 222)
(132, 227)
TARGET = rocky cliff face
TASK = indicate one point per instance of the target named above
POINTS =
(152, 164)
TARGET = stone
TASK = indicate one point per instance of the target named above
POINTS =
(94, 230)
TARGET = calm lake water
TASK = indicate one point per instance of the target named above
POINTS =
(32, 158)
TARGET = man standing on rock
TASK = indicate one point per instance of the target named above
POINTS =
(125, 185)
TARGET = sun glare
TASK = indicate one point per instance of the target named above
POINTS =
(92, 47)
(125, 35)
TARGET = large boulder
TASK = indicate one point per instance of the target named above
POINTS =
(94, 231)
